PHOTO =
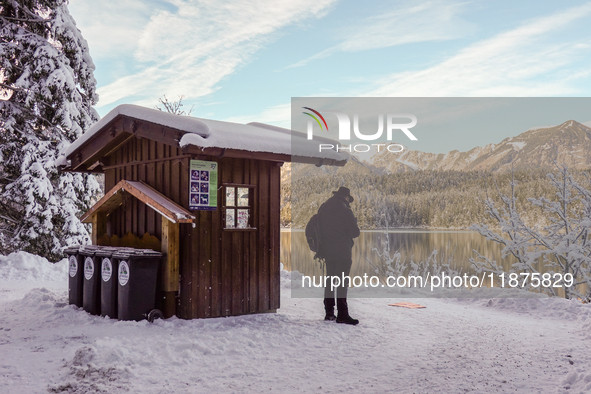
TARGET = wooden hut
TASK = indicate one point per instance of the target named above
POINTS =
(205, 192)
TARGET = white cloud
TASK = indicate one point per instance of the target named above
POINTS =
(189, 49)
(112, 28)
(506, 64)
(278, 115)
(427, 21)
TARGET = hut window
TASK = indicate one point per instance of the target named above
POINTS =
(238, 206)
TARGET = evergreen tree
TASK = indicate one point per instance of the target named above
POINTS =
(47, 90)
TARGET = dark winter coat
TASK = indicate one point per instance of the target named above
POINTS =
(338, 227)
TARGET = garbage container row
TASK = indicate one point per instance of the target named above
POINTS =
(115, 282)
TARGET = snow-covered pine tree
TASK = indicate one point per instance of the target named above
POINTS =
(47, 90)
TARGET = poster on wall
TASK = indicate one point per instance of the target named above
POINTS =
(203, 188)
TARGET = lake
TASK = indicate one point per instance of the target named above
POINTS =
(455, 247)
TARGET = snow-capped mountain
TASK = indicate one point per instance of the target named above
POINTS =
(568, 143)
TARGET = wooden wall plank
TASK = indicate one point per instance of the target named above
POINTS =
(226, 274)
(246, 236)
(187, 247)
(150, 176)
(118, 219)
(253, 267)
(110, 176)
(126, 228)
(274, 223)
(193, 264)
(175, 180)
(237, 262)
(263, 242)
(142, 176)
(205, 279)
(227, 255)
(158, 181)
(167, 174)
(99, 227)
(136, 155)
(109, 179)
(216, 256)
(184, 183)
(236, 273)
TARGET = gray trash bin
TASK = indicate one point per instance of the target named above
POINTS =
(108, 269)
(91, 298)
(137, 277)
(75, 275)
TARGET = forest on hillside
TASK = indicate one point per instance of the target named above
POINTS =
(435, 199)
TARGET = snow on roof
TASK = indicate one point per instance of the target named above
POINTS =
(162, 201)
(206, 133)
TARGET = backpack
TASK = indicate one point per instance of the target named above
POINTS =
(313, 235)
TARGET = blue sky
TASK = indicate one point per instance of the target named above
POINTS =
(244, 61)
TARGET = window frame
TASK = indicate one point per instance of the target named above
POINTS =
(250, 207)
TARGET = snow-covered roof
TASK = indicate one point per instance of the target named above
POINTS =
(206, 133)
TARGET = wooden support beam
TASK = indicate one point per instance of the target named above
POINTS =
(99, 226)
(170, 248)
(170, 270)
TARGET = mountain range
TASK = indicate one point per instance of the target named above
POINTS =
(568, 143)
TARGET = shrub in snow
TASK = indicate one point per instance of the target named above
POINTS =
(563, 246)
(391, 264)
(47, 90)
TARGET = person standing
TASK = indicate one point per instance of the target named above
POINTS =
(338, 227)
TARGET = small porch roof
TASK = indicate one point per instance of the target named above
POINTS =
(149, 196)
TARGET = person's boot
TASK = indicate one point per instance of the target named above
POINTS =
(343, 316)
(329, 308)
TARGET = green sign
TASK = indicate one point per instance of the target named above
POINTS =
(203, 188)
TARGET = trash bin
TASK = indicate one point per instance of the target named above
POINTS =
(108, 280)
(91, 299)
(75, 275)
(137, 277)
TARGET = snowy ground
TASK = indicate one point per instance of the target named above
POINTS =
(452, 346)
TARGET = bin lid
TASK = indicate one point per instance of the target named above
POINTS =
(129, 253)
(150, 252)
(72, 249)
(106, 251)
(88, 250)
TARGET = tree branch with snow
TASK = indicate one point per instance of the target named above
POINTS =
(560, 246)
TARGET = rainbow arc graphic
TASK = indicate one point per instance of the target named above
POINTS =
(315, 118)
